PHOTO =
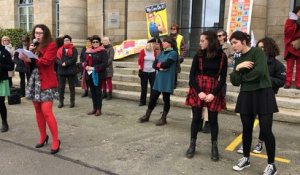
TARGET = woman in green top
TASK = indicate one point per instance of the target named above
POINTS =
(256, 97)
(164, 83)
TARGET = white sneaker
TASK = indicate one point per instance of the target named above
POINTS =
(270, 170)
(243, 163)
(240, 150)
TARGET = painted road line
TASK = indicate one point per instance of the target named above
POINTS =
(238, 140)
(278, 159)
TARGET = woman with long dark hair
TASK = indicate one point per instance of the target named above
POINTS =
(256, 97)
(207, 78)
(42, 88)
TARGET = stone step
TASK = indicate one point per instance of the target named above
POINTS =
(283, 102)
(284, 114)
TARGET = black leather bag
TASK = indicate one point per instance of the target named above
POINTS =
(15, 96)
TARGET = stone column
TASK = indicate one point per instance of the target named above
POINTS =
(95, 17)
(73, 20)
(43, 13)
(9, 16)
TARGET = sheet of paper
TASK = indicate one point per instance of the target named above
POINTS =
(28, 53)
(89, 72)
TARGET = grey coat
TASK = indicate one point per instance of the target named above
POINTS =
(110, 51)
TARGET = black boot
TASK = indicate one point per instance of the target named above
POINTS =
(146, 117)
(85, 94)
(72, 97)
(4, 127)
(61, 97)
(206, 128)
(191, 150)
(163, 119)
(201, 125)
(109, 96)
(214, 151)
(61, 103)
(104, 94)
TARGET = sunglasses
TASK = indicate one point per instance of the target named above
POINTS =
(95, 42)
(220, 35)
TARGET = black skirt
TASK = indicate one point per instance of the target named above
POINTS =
(261, 101)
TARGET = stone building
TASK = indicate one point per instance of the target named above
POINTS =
(125, 19)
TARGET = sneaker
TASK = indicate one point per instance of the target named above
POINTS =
(270, 170)
(240, 150)
(257, 148)
(243, 163)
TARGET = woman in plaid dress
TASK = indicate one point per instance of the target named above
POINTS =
(207, 77)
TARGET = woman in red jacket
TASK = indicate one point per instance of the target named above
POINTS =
(42, 87)
(292, 48)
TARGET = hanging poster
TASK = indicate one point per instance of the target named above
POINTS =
(156, 16)
(129, 47)
(239, 17)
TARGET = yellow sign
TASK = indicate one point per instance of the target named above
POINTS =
(156, 16)
(129, 47)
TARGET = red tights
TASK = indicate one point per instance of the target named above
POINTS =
(45, 115)
(107, 82)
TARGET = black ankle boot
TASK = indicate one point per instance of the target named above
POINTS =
(146, 117)
(214, 151)
(4, 127)
(163, 119)
(60, 104)
(85, 94)
(109, 96)
(206, 128)
(191, 150)
(104, 94)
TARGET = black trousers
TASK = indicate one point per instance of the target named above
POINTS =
(265, 123)
(72, 79)
(212, 119)
(145, 77)
(96, 92)
(3, 110)
(22, 76)
(154, 97)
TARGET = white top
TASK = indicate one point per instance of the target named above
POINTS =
(148, 61)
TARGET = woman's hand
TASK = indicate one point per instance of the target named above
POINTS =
(63, 64)
(24, 58)
(245, 64)
(202, 95)
(89, 68)
(32, 47)
(209, 98)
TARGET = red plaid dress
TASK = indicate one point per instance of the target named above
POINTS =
(207, 84)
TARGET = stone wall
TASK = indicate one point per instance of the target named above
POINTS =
(43, 13)
(9, 17)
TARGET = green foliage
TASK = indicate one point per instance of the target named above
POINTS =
(15, 35)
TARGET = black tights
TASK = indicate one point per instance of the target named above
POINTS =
(212, 119)
(3, 110)
(154, 97)
(265, 124)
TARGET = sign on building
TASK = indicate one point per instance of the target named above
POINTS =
(113, 20)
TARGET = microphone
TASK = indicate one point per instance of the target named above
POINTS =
(35, 42)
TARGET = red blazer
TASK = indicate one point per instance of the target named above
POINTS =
(142, 57)
(45, 65)
(291, 32)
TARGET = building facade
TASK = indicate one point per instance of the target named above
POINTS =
(125, 19)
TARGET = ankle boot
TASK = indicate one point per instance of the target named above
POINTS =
(60, 104)
(201, 125)
(191, 150)
(163, 119)
(4, 127)
(72, 97)
(146, 117)
(104, 94)
(206, 128)
(92, 112)
(109, 96)
(85, 94)
(98, 112)
(214, 151)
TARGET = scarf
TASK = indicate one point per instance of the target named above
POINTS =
(91, 50)
(69, 53)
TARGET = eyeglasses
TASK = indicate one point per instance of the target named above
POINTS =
(173, 29)
(38, 33)
(95, 42)
(220, 35)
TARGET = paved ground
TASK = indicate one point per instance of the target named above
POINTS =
(115, 143)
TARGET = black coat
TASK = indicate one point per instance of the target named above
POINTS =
(70, 68)
(99, 62)
(277, 73)
(6, 63)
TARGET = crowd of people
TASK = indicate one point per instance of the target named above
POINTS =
(255, 69)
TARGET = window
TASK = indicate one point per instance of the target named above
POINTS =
(25, 14)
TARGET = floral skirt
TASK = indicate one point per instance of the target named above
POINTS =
(34, 92)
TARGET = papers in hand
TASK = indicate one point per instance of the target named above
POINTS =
(28, 53)
(89, 72)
